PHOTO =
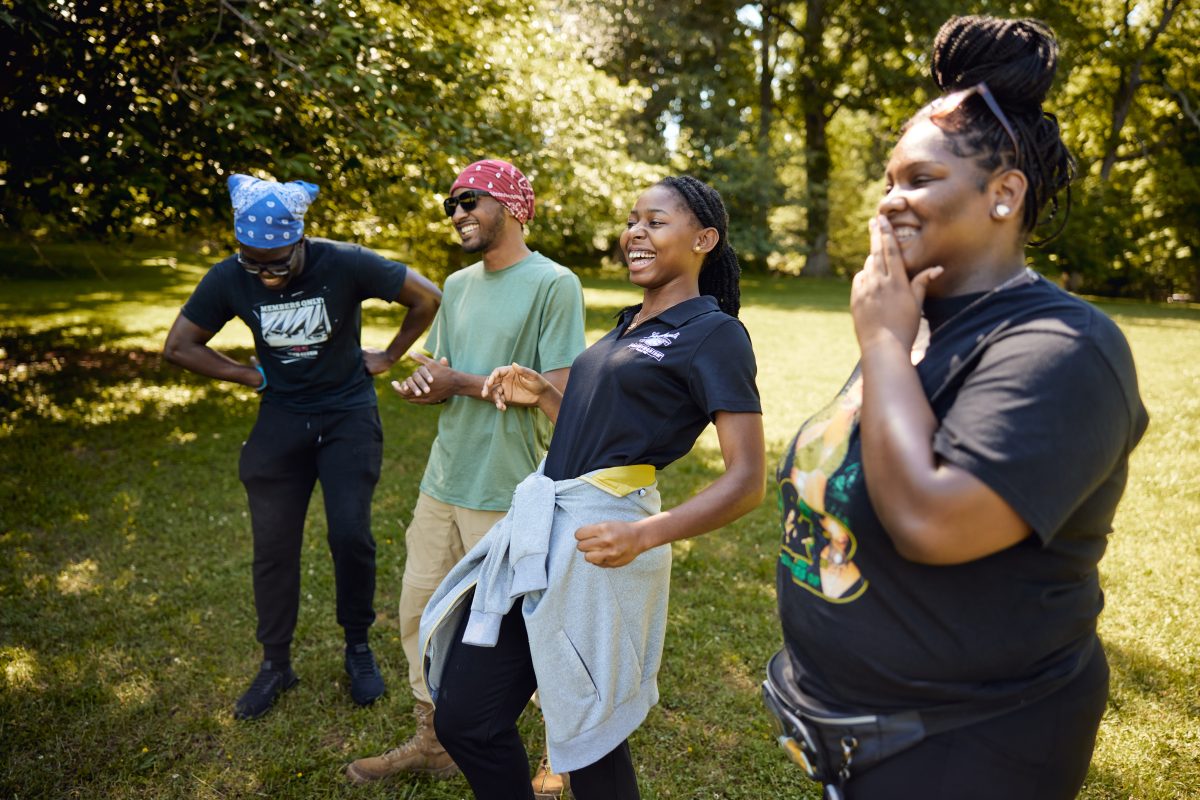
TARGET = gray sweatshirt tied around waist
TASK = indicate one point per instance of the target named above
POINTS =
(595, 634)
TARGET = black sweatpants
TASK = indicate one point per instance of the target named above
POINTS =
(1037, 753)
(483, 691)
(280, 463)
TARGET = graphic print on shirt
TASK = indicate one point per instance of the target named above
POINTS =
(818, 547)
(648, 344)
(296, 330)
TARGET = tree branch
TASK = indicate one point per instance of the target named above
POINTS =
(264, 36)
(1126, 92)
(1185, 104)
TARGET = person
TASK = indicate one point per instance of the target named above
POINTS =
(972, 491)
(513, 305)
(317, 420)
(570, 588)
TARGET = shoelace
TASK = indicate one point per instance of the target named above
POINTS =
(263, 680)
(362, 664)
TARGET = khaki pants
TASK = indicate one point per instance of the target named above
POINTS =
(438, 537)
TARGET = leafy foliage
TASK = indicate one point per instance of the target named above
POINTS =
(123, 116)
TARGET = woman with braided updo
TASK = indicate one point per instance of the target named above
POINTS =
(943, 643)
(568, 593)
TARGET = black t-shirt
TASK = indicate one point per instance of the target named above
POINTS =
(1035, 394)
(645, 396)
(307, 334)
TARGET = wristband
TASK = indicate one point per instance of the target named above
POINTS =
(263, 385)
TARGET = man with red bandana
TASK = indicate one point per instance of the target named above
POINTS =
(514, 305)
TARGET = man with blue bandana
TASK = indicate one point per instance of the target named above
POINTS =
(301, 297)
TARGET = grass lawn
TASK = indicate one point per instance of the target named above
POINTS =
(126, 618)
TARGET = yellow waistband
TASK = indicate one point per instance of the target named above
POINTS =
(620, 481)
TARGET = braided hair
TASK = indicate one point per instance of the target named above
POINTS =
(1017, 59)
(720, 271)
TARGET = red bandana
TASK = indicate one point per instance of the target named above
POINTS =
(502, 181)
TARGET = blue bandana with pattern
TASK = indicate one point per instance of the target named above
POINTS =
(268, 214)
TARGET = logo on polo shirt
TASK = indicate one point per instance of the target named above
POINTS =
(647, 344)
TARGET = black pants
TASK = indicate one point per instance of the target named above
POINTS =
(280, 463)
(483, 691)
(1037, 753)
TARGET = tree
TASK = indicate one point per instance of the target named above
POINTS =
(1127, 103)
(704, 111)
(125, 117)
(121, 114)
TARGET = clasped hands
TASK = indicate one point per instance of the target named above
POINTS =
(605, 544)
(514, 385)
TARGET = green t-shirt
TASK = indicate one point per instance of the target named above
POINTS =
(530, 313)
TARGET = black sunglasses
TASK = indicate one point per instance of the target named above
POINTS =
(468, 200)
(278, 268)
(946, 105)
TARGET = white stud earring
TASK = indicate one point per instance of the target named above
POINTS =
(1002, 210)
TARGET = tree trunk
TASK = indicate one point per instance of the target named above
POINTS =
(817, 162)
(1131, 81)
(766, 107)
(766, 75)
(816, 147)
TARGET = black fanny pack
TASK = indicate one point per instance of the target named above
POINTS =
(826, 747)
(829, 748)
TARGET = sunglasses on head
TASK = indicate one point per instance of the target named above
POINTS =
(468, 200)
(277, 268)
(946, 105)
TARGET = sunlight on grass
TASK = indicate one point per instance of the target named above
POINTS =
(126, 610)
(110, 404)
(78, 578)
(134, 690)
(20, 668)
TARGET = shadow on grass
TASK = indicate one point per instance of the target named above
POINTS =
(127, 621)
(126, 616)
(1153, 677)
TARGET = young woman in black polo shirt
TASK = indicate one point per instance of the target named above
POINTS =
(639, 396)
(944, 517)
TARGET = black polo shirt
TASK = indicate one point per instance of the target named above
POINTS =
(643, 397)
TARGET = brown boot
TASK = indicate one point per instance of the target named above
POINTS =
(423, 754)
(548, 785)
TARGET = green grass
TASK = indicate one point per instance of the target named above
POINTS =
(126, 621)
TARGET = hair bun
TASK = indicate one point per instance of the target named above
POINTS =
(1017, 58)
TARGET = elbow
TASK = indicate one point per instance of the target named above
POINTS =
(172, 352)
(914, 551)
(907, 525)
(757, 492)
(427, 310)
(918, 538)
(752, 490)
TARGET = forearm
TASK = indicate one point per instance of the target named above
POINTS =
(415, 323)
(203, 360)
(738, 491)
(467, 384)
(550, 401)
(897, 427)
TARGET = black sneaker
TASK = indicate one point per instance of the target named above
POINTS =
(264, 690)
(366, 682)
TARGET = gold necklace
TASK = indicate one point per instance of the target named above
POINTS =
(638, 318)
